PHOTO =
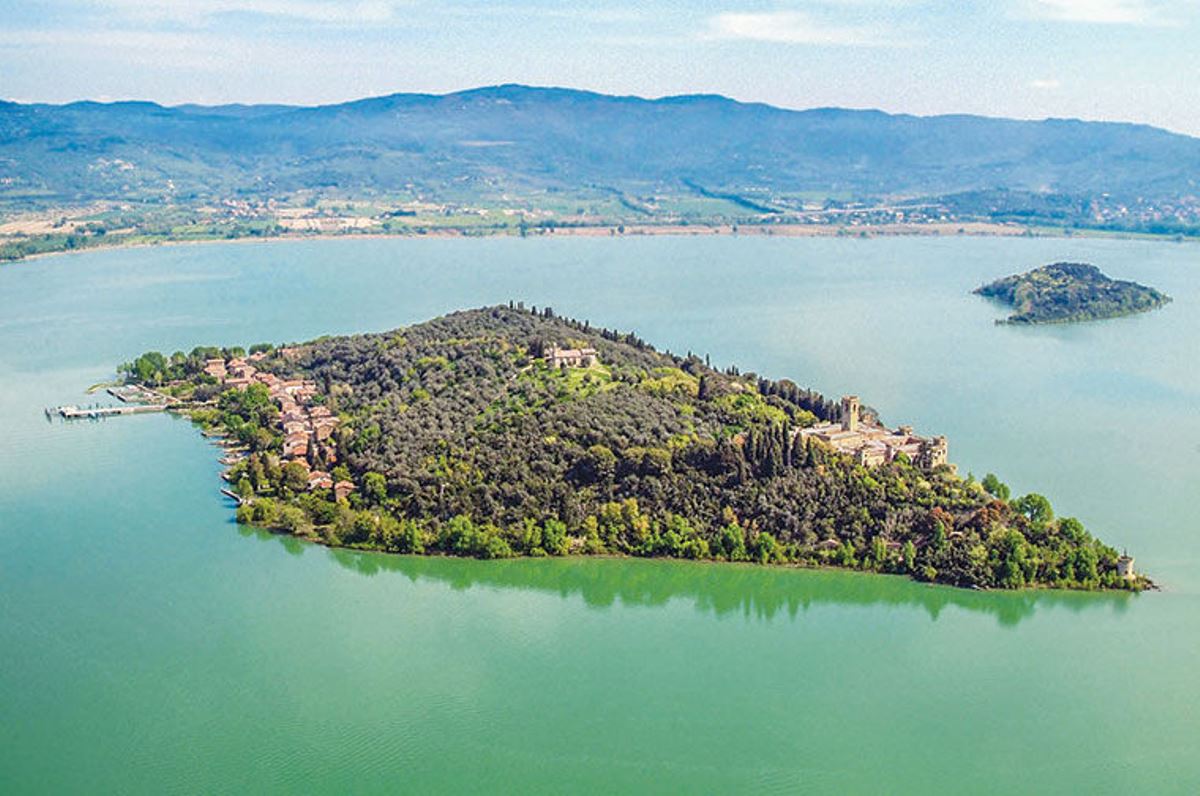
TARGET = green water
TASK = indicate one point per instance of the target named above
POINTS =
(148, 644)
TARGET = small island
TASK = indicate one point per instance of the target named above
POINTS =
(507, 431)
(1068, 292)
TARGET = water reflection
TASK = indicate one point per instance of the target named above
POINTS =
(723, 589)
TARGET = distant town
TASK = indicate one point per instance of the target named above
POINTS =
(30, 232)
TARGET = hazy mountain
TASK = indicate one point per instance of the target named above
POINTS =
(513, 137)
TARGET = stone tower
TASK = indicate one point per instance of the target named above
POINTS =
(850, 408)
(934, 453)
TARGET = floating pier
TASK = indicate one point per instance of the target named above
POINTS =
(136, 399)
(97, 412)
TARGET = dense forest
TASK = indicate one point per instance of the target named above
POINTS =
(461, 438)
(1066, 292)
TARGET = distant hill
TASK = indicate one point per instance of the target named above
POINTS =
(512, 138)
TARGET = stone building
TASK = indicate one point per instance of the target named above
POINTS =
(871, 444)
(570, 357)
(215, 368)
(850, 412)
(934, 452)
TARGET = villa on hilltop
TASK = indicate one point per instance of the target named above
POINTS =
(872, 444)
(570, 357)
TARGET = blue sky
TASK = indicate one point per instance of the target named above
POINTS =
(1132, 60)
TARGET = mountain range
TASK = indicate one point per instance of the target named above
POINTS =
(514, 138)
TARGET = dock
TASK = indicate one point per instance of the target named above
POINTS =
(136, 399)
(138, 393)
(229, 493)
(97, 412)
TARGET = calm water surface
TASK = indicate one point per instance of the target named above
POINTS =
(148, 644)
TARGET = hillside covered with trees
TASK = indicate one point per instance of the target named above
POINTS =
(458, 436)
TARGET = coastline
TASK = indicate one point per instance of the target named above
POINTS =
(791, 566)
(981, 229)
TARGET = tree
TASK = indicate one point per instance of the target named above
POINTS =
(258, 474)
(1073, 531)
(360, 528)
(766, 548)
(150, 368)
(938, 541)
(1011, 559)
(598, 466)
(732, 542)
(1086, 565)
(401, 536)
(995, 487)
(293, 520)
(846, 555)
(1036, 509)
(879, 553)
(295, 476)
(554, 538)
(375, 488)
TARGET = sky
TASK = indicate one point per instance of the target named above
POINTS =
(1122, 60)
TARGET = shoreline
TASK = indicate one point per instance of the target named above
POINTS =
(975, 229)
(794, 566)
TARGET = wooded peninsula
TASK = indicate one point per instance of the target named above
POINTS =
(1067, 292)
(507, 431)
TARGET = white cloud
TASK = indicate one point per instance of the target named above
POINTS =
(113, 39)
(790, 27)
(201, 52)
(199, 11)
(1107, 12)
(1045, 84)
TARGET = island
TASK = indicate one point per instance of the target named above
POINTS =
(1067, 292)
(507, 431)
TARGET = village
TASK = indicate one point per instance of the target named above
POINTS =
(307, 426)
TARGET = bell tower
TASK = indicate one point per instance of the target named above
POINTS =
(850, 407)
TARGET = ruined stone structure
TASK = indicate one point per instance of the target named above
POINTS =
(934, 452)
(1125, 567)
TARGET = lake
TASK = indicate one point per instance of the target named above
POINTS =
(149, 644)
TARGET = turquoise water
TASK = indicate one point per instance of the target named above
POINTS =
(150, 645)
